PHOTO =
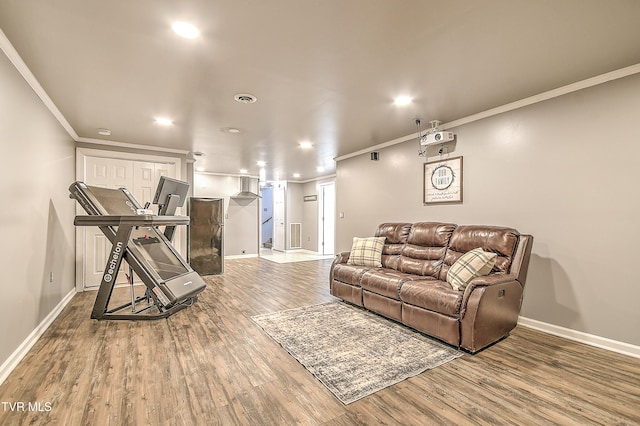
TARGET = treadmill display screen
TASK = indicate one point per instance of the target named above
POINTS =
(159, 256)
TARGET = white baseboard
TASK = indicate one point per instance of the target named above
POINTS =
(579, 336)
(240, 256)
(7, 367)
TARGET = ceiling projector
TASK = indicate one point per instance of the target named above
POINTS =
(436, 138)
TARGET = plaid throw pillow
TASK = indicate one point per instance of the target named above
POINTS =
(366, 252)
(473, 264)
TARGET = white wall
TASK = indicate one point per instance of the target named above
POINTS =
(565, 170)
(242, 216)
(36, 218)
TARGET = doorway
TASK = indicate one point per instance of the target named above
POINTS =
(327, 218)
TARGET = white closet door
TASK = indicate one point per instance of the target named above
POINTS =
(105, 173)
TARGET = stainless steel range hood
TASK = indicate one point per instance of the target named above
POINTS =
(245, 189)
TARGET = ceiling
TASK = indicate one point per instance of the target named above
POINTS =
(322, 71)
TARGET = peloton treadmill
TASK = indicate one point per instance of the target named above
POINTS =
(171, 284)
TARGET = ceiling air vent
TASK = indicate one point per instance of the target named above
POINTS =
(245, 98)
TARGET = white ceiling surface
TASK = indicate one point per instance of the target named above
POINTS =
(324, 71)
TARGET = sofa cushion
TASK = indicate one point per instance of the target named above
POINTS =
(396, 237)
(386, 282)
(425, 249)
(349, 274)
(434, 295)
(366, 252)
(473, 264)
(494, 239)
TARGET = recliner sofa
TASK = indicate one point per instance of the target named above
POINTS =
(411, 285)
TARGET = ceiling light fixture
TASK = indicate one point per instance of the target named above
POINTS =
(403, 100)
(163, 121)
(320, 169)
(305, 145)
(185, 29)
(245, 98)
(261, 163)
(296, 175)
(104, 132)
(233, 130)
(244, 171)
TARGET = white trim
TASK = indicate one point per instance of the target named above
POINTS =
(316, 179)
(579, 336)
(544, 96)
(127, 145)
(31, 80)
(241, 256)
(14, 359)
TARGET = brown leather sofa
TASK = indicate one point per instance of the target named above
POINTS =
(411, 285)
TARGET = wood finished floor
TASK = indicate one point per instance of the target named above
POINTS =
(210, 364)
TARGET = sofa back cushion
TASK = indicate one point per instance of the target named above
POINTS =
(493, 239)
(396, 236)
(425, 249)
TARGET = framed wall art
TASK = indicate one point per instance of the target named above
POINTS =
(443, 181)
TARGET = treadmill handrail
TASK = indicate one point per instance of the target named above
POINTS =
(134, 220)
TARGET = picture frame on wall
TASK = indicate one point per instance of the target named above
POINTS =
(443, 181)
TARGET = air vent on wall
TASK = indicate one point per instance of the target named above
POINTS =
(295, 235)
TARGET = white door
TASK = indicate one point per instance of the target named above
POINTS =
(139, 177)
(327, 217)
(106, 173)
(278, 218)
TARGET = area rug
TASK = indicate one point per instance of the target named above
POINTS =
(353, 352)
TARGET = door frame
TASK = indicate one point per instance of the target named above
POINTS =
(321, 221)
(81, 156)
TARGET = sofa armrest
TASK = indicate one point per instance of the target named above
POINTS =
(341, 257)
(338, 259)
(490, 309)
(486, 281)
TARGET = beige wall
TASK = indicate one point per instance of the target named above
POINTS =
(564, 170)
(36, 218)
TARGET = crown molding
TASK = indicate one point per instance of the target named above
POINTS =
(110, 143)
(544, 96)
(31, 80)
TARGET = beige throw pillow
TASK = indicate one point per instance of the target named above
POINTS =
(472, 264)
(366, 252)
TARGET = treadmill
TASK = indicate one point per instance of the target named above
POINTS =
(171, 283)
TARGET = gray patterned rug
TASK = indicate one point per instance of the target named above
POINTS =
(353, 352)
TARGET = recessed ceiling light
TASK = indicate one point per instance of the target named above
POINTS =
(261, 163)
(245, 98)
(403, 100)
(185, 29)
(320, 169)
(104, 132)
(163, 121)
(244, 171)
(305, 145)
(296, 175)
(230, 130)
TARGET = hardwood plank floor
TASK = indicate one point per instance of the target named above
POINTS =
(210, 364)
